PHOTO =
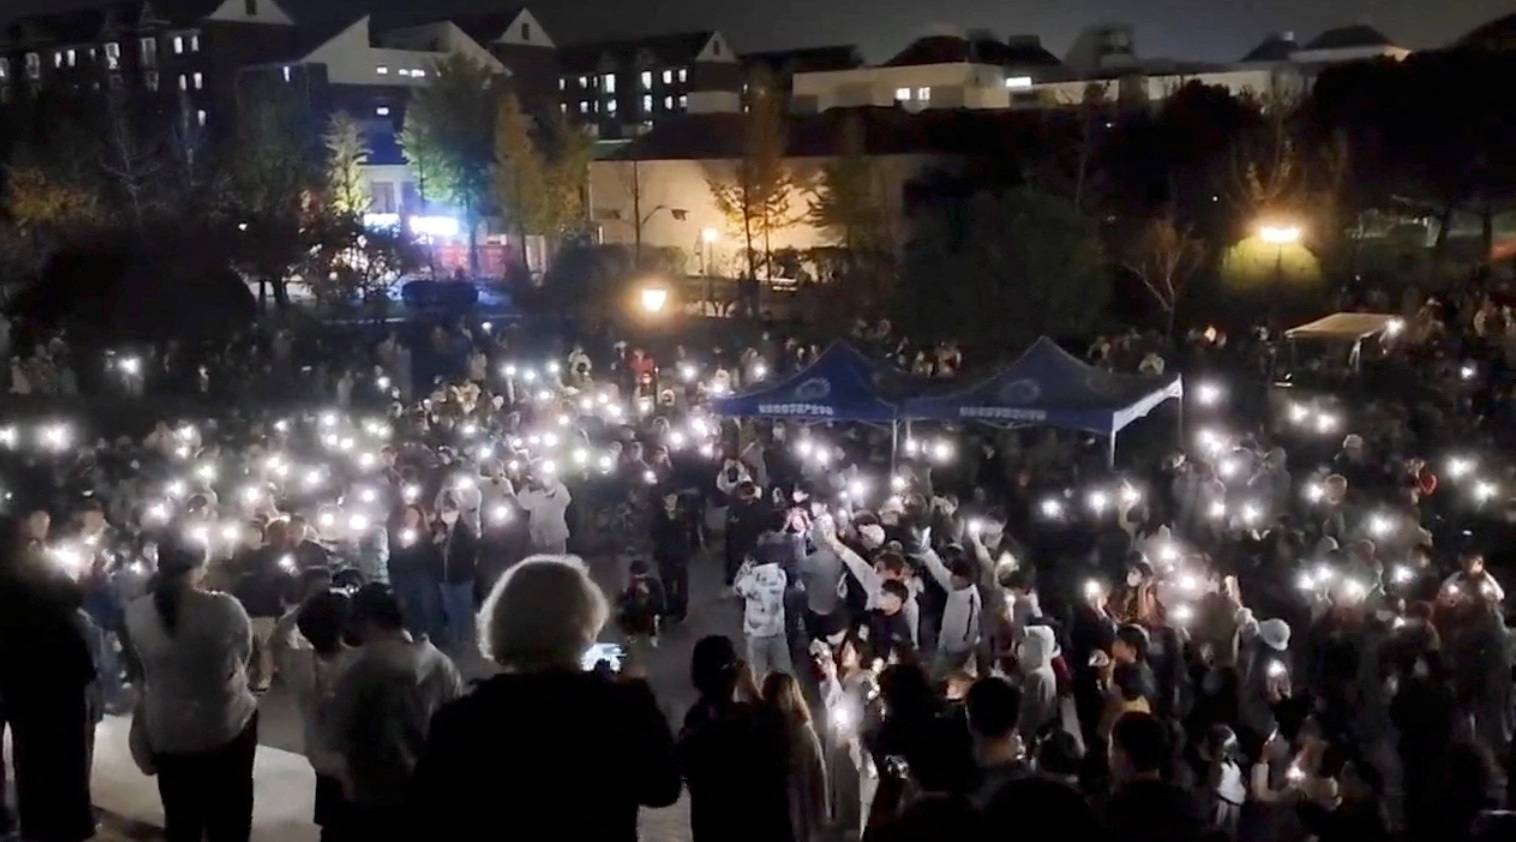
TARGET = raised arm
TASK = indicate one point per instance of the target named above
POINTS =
(860, 569)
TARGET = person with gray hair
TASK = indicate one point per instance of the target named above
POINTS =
(545, 720)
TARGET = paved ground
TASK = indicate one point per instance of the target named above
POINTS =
(128, 801)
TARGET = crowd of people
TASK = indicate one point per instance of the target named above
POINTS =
(1289, 627)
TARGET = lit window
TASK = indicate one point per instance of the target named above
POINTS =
(668, 103)
(178, 44)
(684, 102)
(72, 57)
(418, 73)
(647, 104)
(286, 71)
(194, 43)
(924, 94)
(668, 77)
(563, 108)
(112, 55)
(5, 70)
(902, 94)
(608, 83)
(1018, 82)
(610, 106)
(584, 106)
(200, 116)
(404, 71)
(684, 74)
(183, 82)
(382, 70)
(58, 59)
(199, 80)
(584, 81)
(647, 79)
(562, 84)
(382, 111)
(149, 50)
(33, 66)
(150, 79)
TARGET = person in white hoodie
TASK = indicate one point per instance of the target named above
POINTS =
(546, 502)
(762, 588)
(1039, 686)
(962, 616)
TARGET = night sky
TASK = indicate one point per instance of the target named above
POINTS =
(1217, 30)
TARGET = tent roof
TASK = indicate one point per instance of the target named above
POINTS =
(841, 385)
(1345, 326)
(1048, 385)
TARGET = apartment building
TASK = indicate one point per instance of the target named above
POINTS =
(187, 52)
(623, 88)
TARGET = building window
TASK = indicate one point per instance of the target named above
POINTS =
(149, 50)
(668, 103)
(647, 103)
(716, 47)
(668, 77)
(150, 79)
(924, 94)
(178, 45)
(112, 55)
(563, 108)
(684, 74)
(562, 83)
(5, 70)
(250, 8)
(418, 73)
(608, 83)
(382, 111)
(684, 102)
(902, 94)
(584, 81)
(183, 82)
(647, 80)
(200, 117)
(584, 106)
(382, 70)
(199, 81)
(285, 71)
(58, 59)
(33, 66)
(382, 197)
(526, 31)
(73, 56)
(610, 106)
(195, 42)
(1018, 82)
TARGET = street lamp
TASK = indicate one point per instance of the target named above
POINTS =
(653, 299)
(708, 238)
(1278, 235)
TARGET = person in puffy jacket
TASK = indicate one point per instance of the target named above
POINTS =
(762, 586)
(1039, 685)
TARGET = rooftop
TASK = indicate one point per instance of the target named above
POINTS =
(807, 59)
(1349, 37)
(681, 47)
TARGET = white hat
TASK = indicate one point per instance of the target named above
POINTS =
(1275, 634)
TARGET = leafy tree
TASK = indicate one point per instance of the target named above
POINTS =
(1165, 256)
(272, 171)
(449, 138)
(1006, 266)
(756, 199)
(46, 209)
(540, 176)
(849, 199)
(349, 262)
(346, 154)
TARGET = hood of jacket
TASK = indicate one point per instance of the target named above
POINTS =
(1038, 649)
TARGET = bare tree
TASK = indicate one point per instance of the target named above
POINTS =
(1165, 257)
(130, 158)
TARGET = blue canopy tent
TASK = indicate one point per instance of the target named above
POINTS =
(1048, 386)
(841, 385)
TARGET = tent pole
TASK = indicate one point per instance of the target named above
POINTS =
(894, 443)
(1112, 455)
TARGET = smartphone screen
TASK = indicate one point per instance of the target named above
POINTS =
(611, 653)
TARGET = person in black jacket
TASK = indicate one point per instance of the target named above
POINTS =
(458, 547)
(46, 679)
(673, 547)
(745, 520)
(575, 751)
(415, 574)
(733, 754)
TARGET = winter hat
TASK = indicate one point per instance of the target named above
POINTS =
(872, 535)
(1275, 634)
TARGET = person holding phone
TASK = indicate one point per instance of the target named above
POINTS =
(505, 751)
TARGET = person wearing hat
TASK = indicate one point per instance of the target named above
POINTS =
(1264, 665)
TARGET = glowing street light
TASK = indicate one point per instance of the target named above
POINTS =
(653, 299)
(1279, 235)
